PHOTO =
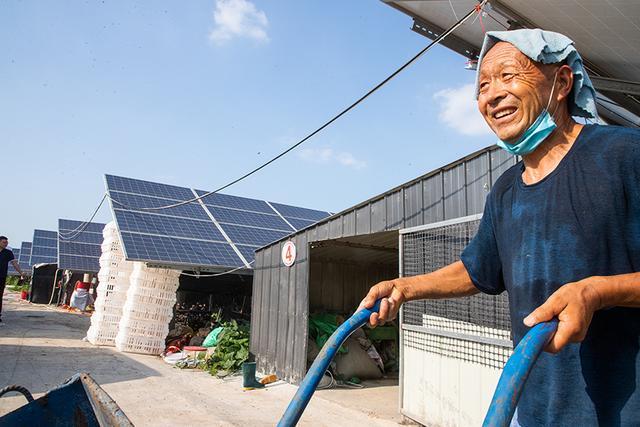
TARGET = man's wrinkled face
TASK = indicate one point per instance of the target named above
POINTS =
(513, 90)
(3, 243)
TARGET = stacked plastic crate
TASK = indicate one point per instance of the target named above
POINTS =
(148, 310)
(112, 291)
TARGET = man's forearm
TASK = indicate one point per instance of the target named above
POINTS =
(448, 282)
(17, 267)
(622, 290)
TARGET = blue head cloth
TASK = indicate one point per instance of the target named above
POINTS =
(548, 47)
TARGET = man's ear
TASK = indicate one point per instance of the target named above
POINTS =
(565, 81)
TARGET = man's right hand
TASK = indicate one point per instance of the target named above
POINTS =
(392, 299)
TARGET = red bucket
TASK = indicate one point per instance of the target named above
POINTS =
(24, 294)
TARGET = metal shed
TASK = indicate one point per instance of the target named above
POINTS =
(339, 258)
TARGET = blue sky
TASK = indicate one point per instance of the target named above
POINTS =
(196, 93)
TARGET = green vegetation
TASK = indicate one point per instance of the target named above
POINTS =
(14, 284)
(232, 349)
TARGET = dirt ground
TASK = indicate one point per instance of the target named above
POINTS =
(40, 347)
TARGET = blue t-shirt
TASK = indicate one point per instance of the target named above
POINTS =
(582, 220)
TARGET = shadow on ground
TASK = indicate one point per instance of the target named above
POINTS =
(40, 348)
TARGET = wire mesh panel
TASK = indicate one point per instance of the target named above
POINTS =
(475, 328)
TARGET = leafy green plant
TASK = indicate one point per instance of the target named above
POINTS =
(232, 349)
(14, 284)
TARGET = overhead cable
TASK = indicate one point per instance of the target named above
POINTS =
(217, 274)
(475, 10)
(83, 226)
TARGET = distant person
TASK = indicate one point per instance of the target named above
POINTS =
(6, 256)
(81, 297)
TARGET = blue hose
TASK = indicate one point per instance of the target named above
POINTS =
(321, 363)
(515, 374)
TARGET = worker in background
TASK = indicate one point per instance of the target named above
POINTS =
(94, 288)
(6, 257)
(66, 287)
(81, 296)
(560, 233)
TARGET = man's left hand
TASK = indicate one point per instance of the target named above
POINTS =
(573, 304)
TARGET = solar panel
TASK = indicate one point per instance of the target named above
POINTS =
(253, 236)
(142, 247)
(25, 256)
(44, 249)
(191, 210)
(221, 230)
(79, 250)
(184, 235)
(234, 216)
(149, 223)
(137, 186)
(300, 213)
(299, 224)
(235, 202)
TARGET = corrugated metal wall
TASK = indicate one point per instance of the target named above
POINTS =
(280, 304)
(337, 286)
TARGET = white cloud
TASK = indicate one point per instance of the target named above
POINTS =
(238, 18)
(326, 155)
(459, 110)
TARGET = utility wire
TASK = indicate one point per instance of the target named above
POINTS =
(476, 9)
(217, 274)
(75, 233)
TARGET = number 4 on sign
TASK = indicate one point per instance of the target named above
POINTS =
(289, 253)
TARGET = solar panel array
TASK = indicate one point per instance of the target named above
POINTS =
(44, 248)
(16, 255)
(221, 230)
(79, 251)
(25, 256)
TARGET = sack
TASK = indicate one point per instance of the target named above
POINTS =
(356, 362)
(212, 339)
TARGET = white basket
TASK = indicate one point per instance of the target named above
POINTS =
(153, 303)
(138, 344)
(102, 337)
(149, 314)
(161, 294)
(156, 285)
(143, 328)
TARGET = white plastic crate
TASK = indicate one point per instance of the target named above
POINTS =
(143, 328)
(154, 303)
(140, 344)
(161, 294)
(159, 316)
(103, 336)
(112, 291)
(157, 285)
(148, 309)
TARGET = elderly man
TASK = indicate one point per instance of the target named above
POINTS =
(560, 233)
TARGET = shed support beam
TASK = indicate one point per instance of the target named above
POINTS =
(335, 243)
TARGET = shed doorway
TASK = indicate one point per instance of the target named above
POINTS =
(340, 274)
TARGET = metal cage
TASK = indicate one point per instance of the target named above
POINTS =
(470, 334)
